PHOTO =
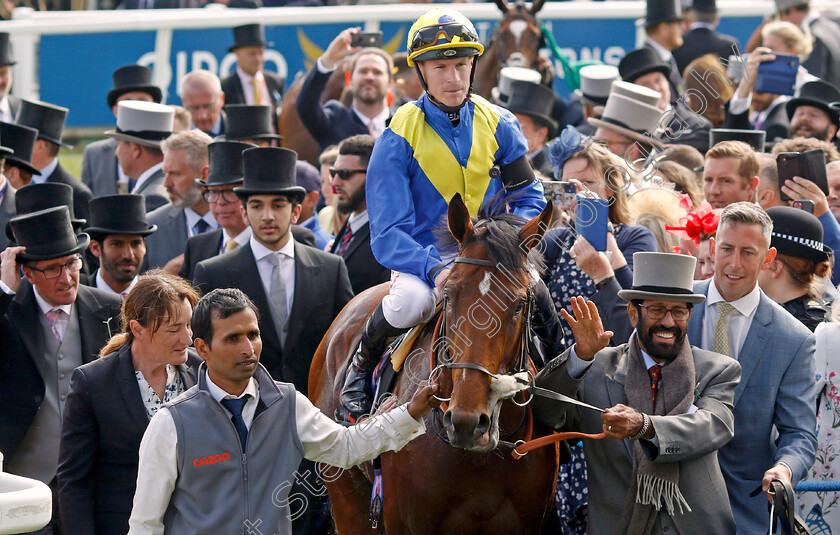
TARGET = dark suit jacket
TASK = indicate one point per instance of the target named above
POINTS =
(674, 79)
(209, 244)
(322, 288)
(701, 41)
(824, 61)
(7, 211)
(81, 193)
(362, 267)
(152, 188)
(328, 123)
(21, 385)
(170, 239)
(104, 420)
(776, 124)
(232, 86)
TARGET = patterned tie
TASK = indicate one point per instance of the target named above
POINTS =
(655, 373)
(235, 406)
(52, 318)
(720, 344)
(345, 241)
(230, 245)
(257, 95)
(201, 227)
(277, 296)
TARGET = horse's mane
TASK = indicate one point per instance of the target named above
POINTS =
(498, 230)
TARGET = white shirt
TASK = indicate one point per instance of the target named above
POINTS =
(192, 220)
(248, 87)
(45, 172)
(240, 238)
(6, 111)
(376, 125)
(63, 319)
(287, 267)
(738, 322)
(695, 25)
(357, 221)
(145, 176)
(102, 285)
(323, 441)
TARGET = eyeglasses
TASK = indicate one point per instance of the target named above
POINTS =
(453, 33)
(213, 106)
(344, 174)
(53, 272)
(655, 312)
(212, 196)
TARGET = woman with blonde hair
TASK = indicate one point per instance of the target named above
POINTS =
(112, 399)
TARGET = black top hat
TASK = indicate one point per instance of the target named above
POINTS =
(21, 140)
(130, 78)
(248, 122)
(534, 100)
(225, 163)
(47, 119)
(819, 94)
(119, 214)
(753, 138)
(47, 234)
(661, 11)
(798, 233)
(709, 6)
(640, 62)
(269, 171)
(37, 197)
(249, 35)
(6, 57)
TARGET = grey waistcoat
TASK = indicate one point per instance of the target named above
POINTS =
(37, 456)
(220, 489)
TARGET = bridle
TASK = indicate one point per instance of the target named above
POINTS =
(523, 360)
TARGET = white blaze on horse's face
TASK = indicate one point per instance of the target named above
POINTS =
(484, 285)
(517, 28)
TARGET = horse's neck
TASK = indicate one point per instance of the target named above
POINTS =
(487, 71)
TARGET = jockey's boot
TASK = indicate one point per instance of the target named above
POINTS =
(546, 324)
(356, 398)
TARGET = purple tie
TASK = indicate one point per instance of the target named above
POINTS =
(52, 317)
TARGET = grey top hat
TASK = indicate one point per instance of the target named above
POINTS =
(630, 112)
(782, 5)
(507, 76)
(595, 83)
(144, 123)
(663, 277)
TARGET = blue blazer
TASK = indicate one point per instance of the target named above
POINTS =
(777, 388)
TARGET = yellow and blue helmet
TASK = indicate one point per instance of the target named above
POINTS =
(442, 33)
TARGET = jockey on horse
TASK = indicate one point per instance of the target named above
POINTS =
(447, 142)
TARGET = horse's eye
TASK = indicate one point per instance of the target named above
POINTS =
(519, 306)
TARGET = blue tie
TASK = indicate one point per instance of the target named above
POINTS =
(131, 184)
(234, 406)
(201, 227)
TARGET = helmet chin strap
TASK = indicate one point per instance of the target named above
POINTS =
(443, 107)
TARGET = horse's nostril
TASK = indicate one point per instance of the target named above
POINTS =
(483, 424)
(447, 420)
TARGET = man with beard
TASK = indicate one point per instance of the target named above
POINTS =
(833, 174)
(118, 231)
(184, 159)
(775, 413)
(670, 408)
(370, 80)
(811, 113)
(353, 241)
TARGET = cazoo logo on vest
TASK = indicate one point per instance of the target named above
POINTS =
(212, 459)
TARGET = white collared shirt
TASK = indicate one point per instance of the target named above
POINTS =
(287, 267)
(357, 221)
(103, 285)
(323, 441)
(6, 111)
(251, 390)
(63, 319)
(45, 172)
(248, 87)
(240, 238)
(146, 174)
(738, 322)
(192, 220)
(376, 125)
(696, 24)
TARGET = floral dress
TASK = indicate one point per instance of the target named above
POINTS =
(821, 510)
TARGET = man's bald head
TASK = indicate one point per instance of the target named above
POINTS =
(201, 93)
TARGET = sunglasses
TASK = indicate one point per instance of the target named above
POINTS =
(344, 174)
(453, 33)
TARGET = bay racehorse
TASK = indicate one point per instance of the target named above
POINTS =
(516, 42)
(460, 476)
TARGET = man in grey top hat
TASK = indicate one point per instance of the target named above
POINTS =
(670, 408)
(824, 60)
(141, 127)
(49, 325)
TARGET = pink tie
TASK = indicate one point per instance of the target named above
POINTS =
(52, 317)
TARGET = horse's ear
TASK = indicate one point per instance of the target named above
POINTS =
(533, 231)
(503, 5)
(537, 6)
(460, 224)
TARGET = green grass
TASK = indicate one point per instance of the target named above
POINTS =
(71, 159)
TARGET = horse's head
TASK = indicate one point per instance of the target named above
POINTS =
(486, 313)
(518, 37)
